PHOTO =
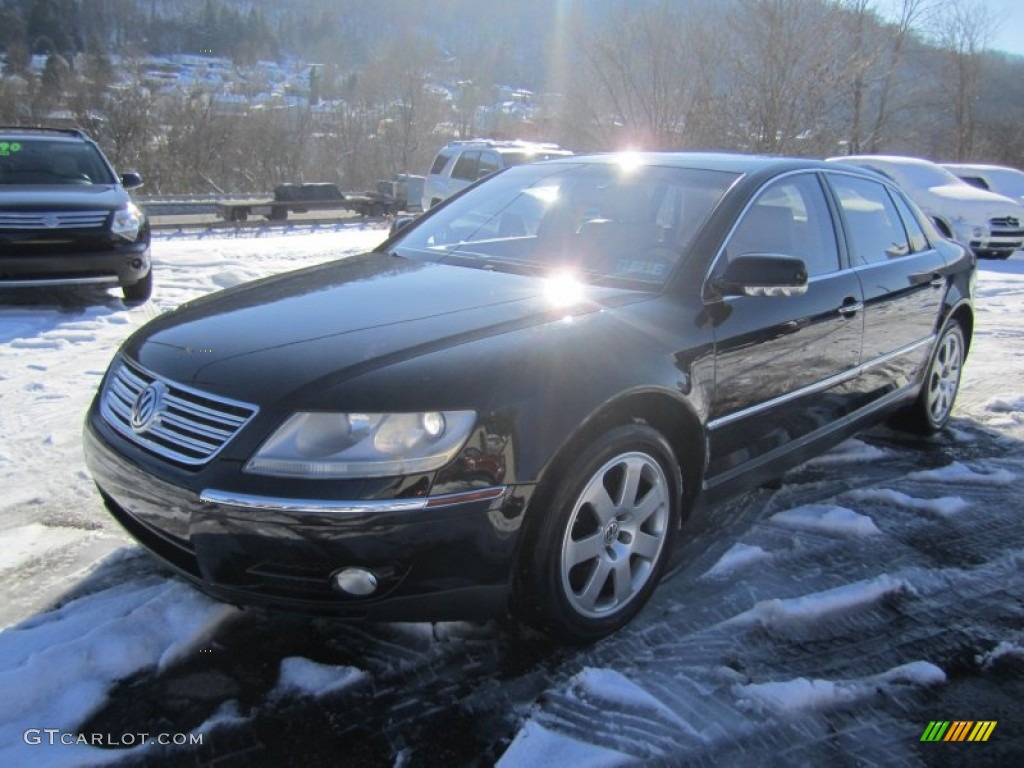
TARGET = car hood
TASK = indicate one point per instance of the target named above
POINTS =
(62, 196)
(981, 202)
(258, 342)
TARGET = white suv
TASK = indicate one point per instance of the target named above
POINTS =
(994, 178)
(991, 225)
(460, 163)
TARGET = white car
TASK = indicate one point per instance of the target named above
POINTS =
(994, 178)
(460, 163)
(991, 225)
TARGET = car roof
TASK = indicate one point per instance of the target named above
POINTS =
(21, 133)
(711, 161)
(890, 159)
(980, 167)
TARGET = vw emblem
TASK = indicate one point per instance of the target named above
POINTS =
(147, 406)
(50, 221)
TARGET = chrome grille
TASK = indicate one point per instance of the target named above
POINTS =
(188, 426)
(53, 219)
(1005, 222)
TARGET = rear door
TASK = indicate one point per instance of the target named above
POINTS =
(902, 277)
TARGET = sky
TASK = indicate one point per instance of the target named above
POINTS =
(1009, 34)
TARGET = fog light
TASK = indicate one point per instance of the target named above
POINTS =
(136, 263)
(355, 581)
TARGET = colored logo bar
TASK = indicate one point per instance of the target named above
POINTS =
(959, 730)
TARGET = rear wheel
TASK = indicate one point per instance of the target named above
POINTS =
(608, 525)
(934, 405)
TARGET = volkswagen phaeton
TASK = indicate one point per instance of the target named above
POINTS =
(516, 403)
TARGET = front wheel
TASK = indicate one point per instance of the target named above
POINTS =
(139, 292)
(608, 524)
(934, 405)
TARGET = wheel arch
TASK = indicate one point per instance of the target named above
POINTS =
(962, 314)
(671, 416)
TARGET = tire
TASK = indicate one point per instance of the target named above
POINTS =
(140, 292)
(606, 528)
(934, 404)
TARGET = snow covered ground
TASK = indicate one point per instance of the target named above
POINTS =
(831, 619)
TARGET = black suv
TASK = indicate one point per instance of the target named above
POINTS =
(66, 217)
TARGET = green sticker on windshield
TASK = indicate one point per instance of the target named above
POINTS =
(7, 147)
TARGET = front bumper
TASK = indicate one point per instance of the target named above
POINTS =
(122, 265)
(998, 244)
(434, 558)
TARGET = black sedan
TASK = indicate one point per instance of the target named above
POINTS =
(515, 403)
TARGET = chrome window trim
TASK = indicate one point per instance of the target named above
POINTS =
(337, 507)
(819, 386)
(750, 203)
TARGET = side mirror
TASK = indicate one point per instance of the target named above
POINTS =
(131, 180)
(763, 274)
(400, 223)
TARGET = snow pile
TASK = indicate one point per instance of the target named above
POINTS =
(614, 690)
(801, 694)
(62, 663)
(849, 452)
(777, 613)
(946, 506)
(1003, 650)
(739, 556)
(305, 677)
(827, 518)
(960, 473)
(1006, 404)
(536, 745)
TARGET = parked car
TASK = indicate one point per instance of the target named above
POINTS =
(66, 217)
(991, 225)
(517, 401)
(460, 163)
(1008, 182)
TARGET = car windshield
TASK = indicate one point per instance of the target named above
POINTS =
(45, 161)
(597, 220)
(925, 176)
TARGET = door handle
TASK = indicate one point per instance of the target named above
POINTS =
(850, 307)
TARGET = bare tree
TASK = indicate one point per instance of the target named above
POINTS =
(647, 77)
(785, 72)
(875, 58)
(963, 29)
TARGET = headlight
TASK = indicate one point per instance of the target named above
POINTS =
(351, 445)
(127, 222)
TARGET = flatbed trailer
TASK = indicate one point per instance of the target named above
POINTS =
(302, 198)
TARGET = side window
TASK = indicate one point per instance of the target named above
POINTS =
(976, 181)
(874, 228)
(488, 164)
(465, 166)
(918, 241)
(790, 218)
(440, 162)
